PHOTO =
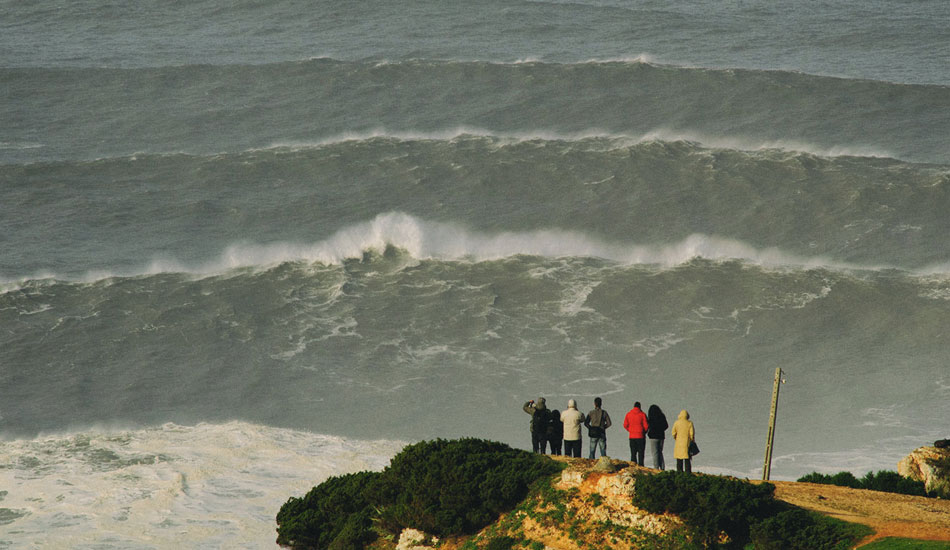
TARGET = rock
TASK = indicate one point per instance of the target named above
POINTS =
(571, 477)
(930, 465)
(621, 485)
(604, 465)
(413, 539)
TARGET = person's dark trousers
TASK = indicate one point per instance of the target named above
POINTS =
(572, 448)
(684, 463)
(637, 450)
(539, 443)
(656, 447)
(555, 446)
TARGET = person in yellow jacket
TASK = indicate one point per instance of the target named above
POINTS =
(683, 433)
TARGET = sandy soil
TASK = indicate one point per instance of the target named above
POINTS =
(890, 515)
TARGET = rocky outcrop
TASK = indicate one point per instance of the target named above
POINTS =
(614, 482)
(413, 539)
(930, 465)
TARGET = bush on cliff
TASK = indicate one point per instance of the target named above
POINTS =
(841, 479)
(335, 515)
(441, 487)
(456, 487)
(884, 480)
(797, 529)
(711, 506)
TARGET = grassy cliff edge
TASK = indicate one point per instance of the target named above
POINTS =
(473, 494)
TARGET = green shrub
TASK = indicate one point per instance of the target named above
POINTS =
(335, 515)
(456, 487)
(744, 512)
(501, 543)
(815, 477)
(886, 481)
(941, 465)
(892, 482)
(841, 479)
(941, 484)
(846, 479)
(441, 487)
(797, 529)
(708, 505)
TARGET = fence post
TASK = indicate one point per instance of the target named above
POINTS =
(767, 469)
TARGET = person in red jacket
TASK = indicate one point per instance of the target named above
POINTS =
(636, 424)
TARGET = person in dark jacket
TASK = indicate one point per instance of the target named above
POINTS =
(597, 423)
(555, 432)
(655, 434)
(540, 418)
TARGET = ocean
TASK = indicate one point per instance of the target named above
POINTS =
(246, 246)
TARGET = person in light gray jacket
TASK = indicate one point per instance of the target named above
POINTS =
(572, 419)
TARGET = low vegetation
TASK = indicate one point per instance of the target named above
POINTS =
(885, 481)
(730, 513)
(335, 515)
(440, 487)
(906, 544)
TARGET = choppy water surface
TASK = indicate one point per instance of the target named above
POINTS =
(246, 247)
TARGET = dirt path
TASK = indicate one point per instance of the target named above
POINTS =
(890, 515)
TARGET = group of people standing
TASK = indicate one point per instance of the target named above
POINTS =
(551, 427)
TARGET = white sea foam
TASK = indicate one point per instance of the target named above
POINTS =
(574, 298)
(617, 140)
(458, 132)
(206, 486)
(653, 345)
(888, 416)
(643, 58)
(433, 240)
(753, 144)
(17, 146)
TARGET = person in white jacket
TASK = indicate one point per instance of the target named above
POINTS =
(572, 419)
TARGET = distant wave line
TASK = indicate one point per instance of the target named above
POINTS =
(613, 140)
(644, 58)
(621, 140)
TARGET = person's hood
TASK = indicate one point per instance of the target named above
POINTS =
(571, 404)
(684, 415)
(540, 403)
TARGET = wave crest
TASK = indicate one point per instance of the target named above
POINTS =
(425, 240)
(615, 140)
(430, 240)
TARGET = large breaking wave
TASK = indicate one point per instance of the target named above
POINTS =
(424, 240)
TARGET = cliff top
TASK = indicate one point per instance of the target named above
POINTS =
(889, 514)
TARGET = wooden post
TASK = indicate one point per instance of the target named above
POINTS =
(767, 469)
